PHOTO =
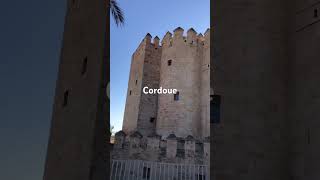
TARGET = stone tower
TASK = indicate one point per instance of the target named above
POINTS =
(76, 148)
(182, 63)
(266, 74)
(141, 109)
(183, 68)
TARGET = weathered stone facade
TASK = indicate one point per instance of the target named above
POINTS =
(152, 148)
(182, 63)
(77, 148)
(144, 72)
(157, 127)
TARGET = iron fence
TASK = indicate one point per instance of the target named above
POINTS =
(146, 170)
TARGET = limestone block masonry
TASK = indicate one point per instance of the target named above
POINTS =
(172, 149)
(182, 63)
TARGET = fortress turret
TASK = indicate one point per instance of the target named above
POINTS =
(175, 64)
(180, 69)
(171, 126)
(141, 109)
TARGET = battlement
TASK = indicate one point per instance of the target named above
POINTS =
(161, 149)
(148, 41)
(191, 38)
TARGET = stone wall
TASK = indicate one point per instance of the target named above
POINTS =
(188, 72)
(155, 148)
(147, 117)
(135, 84)
(141, 109)
(183, 117)
(76, 148)
(205, 85)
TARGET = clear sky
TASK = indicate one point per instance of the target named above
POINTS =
(141, 17)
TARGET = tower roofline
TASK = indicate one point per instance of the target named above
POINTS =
(178, 29)
(207, 31)
(191, 29)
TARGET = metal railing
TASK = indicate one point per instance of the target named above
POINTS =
(146, 170)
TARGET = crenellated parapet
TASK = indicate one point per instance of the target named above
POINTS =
(191, 38)
(147, 38)
(147, 41)
(162, 149)
(167, 40)
(156, 42)
(171, 146)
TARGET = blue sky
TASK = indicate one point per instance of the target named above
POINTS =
(141, 17)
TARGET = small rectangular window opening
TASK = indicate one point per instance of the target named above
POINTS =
(169, 62)
(176, 96)
(215, 101)
(84, 66)
(65, 98)
(130, 92)
(315, 13)
(136, 82)
(152, 119)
